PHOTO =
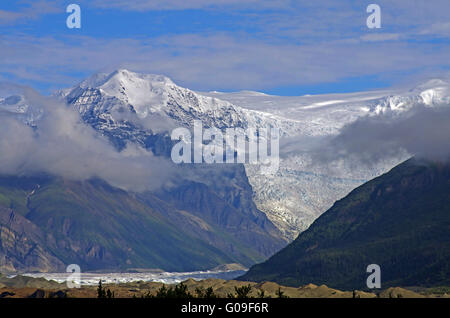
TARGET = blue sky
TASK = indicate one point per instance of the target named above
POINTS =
(275, 46)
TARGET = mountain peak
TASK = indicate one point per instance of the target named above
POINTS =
(433, 83)
(112, 95)
(125, 77)
(138, 89)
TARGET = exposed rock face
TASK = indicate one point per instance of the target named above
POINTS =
(22, 245)
(57, 222)
(225, 201)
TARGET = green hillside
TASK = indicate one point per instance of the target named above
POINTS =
(400, 221)
(47, 223)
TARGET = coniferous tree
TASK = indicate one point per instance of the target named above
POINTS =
(101, 293)
(243, 292)
(280, 293)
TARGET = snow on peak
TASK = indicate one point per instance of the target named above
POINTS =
(146, 92)
(19, 106)
(432, 84)
(433, 93)
(123, 76)
(114, 95)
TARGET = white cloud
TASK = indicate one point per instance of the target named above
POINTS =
(380, 37)
(216, 62)
(146, 5)
(33, 10)
(440, 29)
(312, 42)
(64, 146)
(423, 132)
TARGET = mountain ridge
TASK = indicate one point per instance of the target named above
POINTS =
(399, 221)
(98, 227)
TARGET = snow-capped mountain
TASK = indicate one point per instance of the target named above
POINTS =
(302, 189)
(142, 108)
(433, 93)
(214, 203)
(16, 105)
(120, 96)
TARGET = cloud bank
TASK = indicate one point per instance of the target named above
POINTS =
(61, 144)
(423, 132)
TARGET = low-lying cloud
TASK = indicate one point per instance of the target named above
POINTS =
(423, 132)
(61, 144)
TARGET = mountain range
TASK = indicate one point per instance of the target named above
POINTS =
(227, 213)
(304, 188)
(129, 106)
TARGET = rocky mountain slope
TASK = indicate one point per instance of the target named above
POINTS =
(22, 245)
(47, 223)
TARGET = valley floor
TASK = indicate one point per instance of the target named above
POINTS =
(41, 288)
